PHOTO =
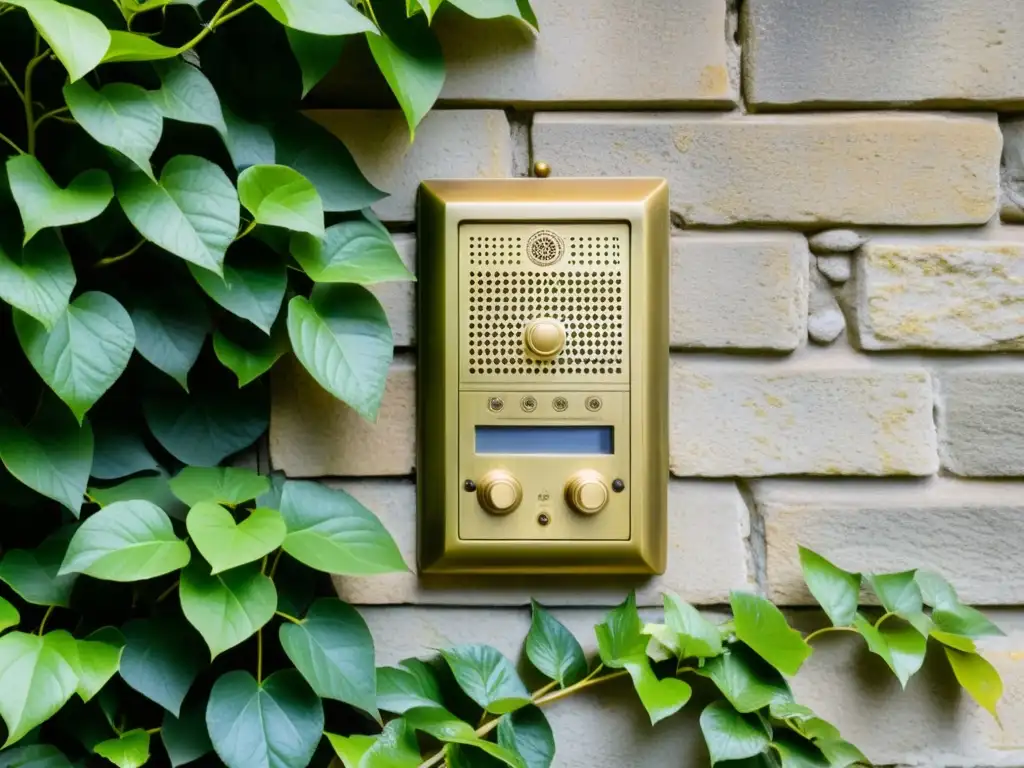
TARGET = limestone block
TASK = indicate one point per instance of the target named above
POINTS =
(952, 53)
(811, 170)
(981, 421)
(952, 293)
(826, 321)
(836, 241)
(449, 144)
(968, 531)
(709, 524)
(314, 435)
(739, 291)
(835, 266)
(398, 299)
(834, 417)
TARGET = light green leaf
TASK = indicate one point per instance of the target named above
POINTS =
(695, 635)
(351, 749)
(333, 650)
(898, 592)
(129, 46)
(9, 616)
(221, 485)
(274, 724)
(495, 9)
(43, 204)
(332, 532)
(935, 590)
(662, 643)
(836, 590)
(37, 279)
(319, 17)
(841, 753)
(227, 608)
(170, 328)
(316, 54)
(187, 95)
(129, 750)
(731, 735)
(34, 756)
(185, 738)
(35, 682)
(395, 747)
(487, 677)
(964, 620)
(86, 351)
(120, 116)
(126, 541)
(959, 642)
(429, 7)
(226, 545)
(342, 337)
(526, 732)
(900, 645)
(153, 489)
(253, 284)
(93, 661)
(445, 727)
(193, 212)
(279, 196)
(52, 455)
(161, 660)
(746, 680)
(553, 650)
(354, 251)
(32, 574)
(77, 38)
(619, 637)
(254, 356)
(409, 685)
(978, 677)
(248, 143)
(119, 451)
(661, 698)
(762, 626)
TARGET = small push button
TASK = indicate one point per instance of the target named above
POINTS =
(587, 492)
(499, 492)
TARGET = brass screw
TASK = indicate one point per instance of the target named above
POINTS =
(559, 403)
(543, 519)
(541, 169)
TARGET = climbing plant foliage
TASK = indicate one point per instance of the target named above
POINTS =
(171, 225)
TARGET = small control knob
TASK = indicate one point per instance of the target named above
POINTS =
(544, 338)
(587, 492)
(499, 492)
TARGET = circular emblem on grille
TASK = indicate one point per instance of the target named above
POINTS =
(544, 247)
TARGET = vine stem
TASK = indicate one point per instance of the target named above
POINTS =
(259, 655)
(51, 113)
(46, 618)
(886, 615)
(273, 565)
(152, 731)
(13, 146)
(290, 618)
(12, 81)
(167, 592)
(120, 257)
(249, 228)
(219, 18)
(824, 630)
(369, 10)
(26, 96)
(243, 9)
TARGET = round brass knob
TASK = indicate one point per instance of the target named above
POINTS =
(587, 492)
(499, 492)
(544, 338)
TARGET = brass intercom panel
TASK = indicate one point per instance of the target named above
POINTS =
(543, 376)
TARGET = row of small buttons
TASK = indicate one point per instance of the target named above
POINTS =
(529, 403)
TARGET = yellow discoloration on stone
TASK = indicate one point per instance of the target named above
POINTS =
(714, 80)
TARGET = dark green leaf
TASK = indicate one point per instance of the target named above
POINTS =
(248, 143)
(119, 451)
(553, 650)
(161, 660)
(762, 626)
(154, 489)
(33, 574)
(43, 204)
(34, 756)
(170, 328)
(356, 251)
(227, 608)
(185, 738)
(316, 54)
(487, 677)
(129, 750)
(37, 279)
(841, 753)
(226, 545)
(251, 356)
(619, 637)
(797, 752)
(221, 485)
(186, 95)
(253, 285)
(747, 681)
(836, 590)
(526, 732)
(978, 677)
(731, 735)
(77, 38)
(409, 685)
(898, 592)
(444, 726)
(696, 636)
(35, 682)
(900, 645)
(279, 196)
(120, 116)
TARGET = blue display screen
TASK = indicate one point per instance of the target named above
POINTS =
(550, 440)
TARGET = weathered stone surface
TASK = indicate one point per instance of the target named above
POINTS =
(830, 417)
(825, 322)
(836, 241)
(449, 144)
(314, 435)
(981, 421)
(740, 291)
(968, 530)
(1012, 207)
(709, 524)
(398, 299)
(836, 267)
(949, 294)
(876, 52)
(813, 170)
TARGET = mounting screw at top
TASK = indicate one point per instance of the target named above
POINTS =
(618, 486)
(469, 485)
(541, 169)
(543, 519)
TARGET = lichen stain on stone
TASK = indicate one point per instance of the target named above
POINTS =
(683, 141)
(714, 80)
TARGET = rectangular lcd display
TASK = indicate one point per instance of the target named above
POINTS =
(546, 440)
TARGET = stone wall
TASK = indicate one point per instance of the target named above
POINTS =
(847, 315)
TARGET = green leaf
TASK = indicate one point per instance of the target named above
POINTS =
(332, 532)
(731, 735)
(273, 724)
(619, 637)
(527, 14)
(35, 682)
(279, 196)
(86, 351)
(249, 143)
(661, 698)
(37, 279)
(129, 46)
(747, 681)
(964, 620)
(226, 545)
(978, 677)
(192, 212)
(356, 251)
(527, 733)
(161, 660)
(52, 455)
(964, 644)
(93, 661)
(319, 17)
(170, 328)
(253, 357)
(797, 752)
(409, 56)
(898, 592)
(185, 738)
(120, 116)
(77, 38)
(154, 489)
(495, 9)
(395, 747)
(33, 574)
(205, 428)
(409, 685)
(221, 485)
(429, 7)
(316, 54)
(900, 645)
(841, 753)
(126, 541)
(252, 287)
(333, 650)
(119, 451)
(553, 650)
(34, 756)
(487, 677)
(9, 616)
(342, 337)
(227, 608)
(129, 750)
(187, 95)
(445, 727)
(836, 590)
(762, 626)
(44, 205)
(936, 591)
(696, 636)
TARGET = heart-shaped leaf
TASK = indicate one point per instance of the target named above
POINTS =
(487, 677)
(193, 211)
(274, 724)
(126, 541)
(978, 677)
(9, 616)
(249, 356)
(119, 451)
(527, 733)
(227, 608)
(35, 682)
(94, 662)
(694, 635)
(661, 698)
(77, 38)
(170, 328)
(445, 727)
(746, 680)
(619, 636)
(731, 735)
(333, 650)
(836, 590)
(342, 337)
(316, 54)
(395, 747)
(86, 351)
(154, 489)
(248, 143)
(495, 9)
(185, 738)
(129, 46)
(187, 95)
(120, 116)
(279, 196)
(226, 545)
(762, 626)
(43, 204)
(898, 592)
(129, 750)
(37, 279)
(409, 685)
(553, 650)
(221, 485)
(356, 251)
(34, 756)
(253, 285)
(33, 574)
(900, 645)
(318, 17)
(161, 660)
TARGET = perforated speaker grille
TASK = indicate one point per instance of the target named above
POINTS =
(575, 273)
